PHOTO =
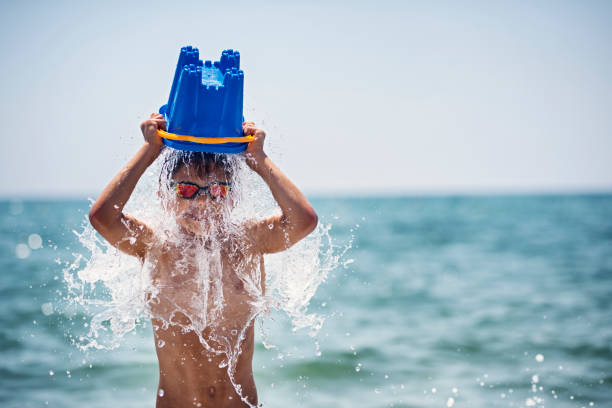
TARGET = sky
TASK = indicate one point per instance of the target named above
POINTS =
(381, 97)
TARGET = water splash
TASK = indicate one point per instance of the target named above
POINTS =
(211, 288)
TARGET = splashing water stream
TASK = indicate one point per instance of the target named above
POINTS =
(207, 282)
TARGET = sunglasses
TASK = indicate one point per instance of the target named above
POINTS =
(185, 189)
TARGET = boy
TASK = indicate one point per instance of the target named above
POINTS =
(194, 347)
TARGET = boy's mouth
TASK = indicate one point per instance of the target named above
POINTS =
(196, 217)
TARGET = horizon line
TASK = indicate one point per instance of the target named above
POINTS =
(366, 193)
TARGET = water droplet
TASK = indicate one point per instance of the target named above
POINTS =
(539, 358)
(234, 332)
(377, 390)
(433, 390)
(22, 251)
(455, 390)
(535, 379)
(270, 226)
(160, 392)
(450, 402)
(51, 372)
(358, 368)
(161, 343)
(35, 241)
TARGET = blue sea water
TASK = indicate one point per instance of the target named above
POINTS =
(501, 301)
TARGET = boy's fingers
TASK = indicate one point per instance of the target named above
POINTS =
(159, 123)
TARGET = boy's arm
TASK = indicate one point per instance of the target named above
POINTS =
(297, 219)
(123, 231)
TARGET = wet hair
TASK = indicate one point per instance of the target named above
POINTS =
(200, 162)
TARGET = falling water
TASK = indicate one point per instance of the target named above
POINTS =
(214, 286)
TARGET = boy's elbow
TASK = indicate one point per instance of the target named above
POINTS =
(97, 218)
(94, 218)
(311, 220)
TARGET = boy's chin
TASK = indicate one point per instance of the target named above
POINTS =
(195, 225)
(191, 226)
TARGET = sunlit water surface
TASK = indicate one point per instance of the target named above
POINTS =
(440, 302)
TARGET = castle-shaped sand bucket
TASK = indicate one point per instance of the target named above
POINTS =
(204, 110)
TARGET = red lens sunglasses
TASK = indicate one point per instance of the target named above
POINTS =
(185, 189)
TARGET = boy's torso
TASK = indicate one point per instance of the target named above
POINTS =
(202, 302)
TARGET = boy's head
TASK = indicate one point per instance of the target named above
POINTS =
(196, 187)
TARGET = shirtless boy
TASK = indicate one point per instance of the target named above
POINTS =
(189, 360)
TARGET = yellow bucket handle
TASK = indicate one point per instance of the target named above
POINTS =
(206, 140)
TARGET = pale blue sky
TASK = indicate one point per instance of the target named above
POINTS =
(429, 96)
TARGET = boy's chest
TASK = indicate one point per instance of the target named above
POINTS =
(215, 279)
(205, 270)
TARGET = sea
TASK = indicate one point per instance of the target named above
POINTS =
(439, 301)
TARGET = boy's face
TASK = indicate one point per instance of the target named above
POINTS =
(203, 211)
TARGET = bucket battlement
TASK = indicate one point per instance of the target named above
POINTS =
(204, 108)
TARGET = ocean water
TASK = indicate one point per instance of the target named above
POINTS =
(501, 301)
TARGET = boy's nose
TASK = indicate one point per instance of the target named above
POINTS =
(201, 201)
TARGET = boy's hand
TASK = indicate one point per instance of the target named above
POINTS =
(149, 130)
(254, 151)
